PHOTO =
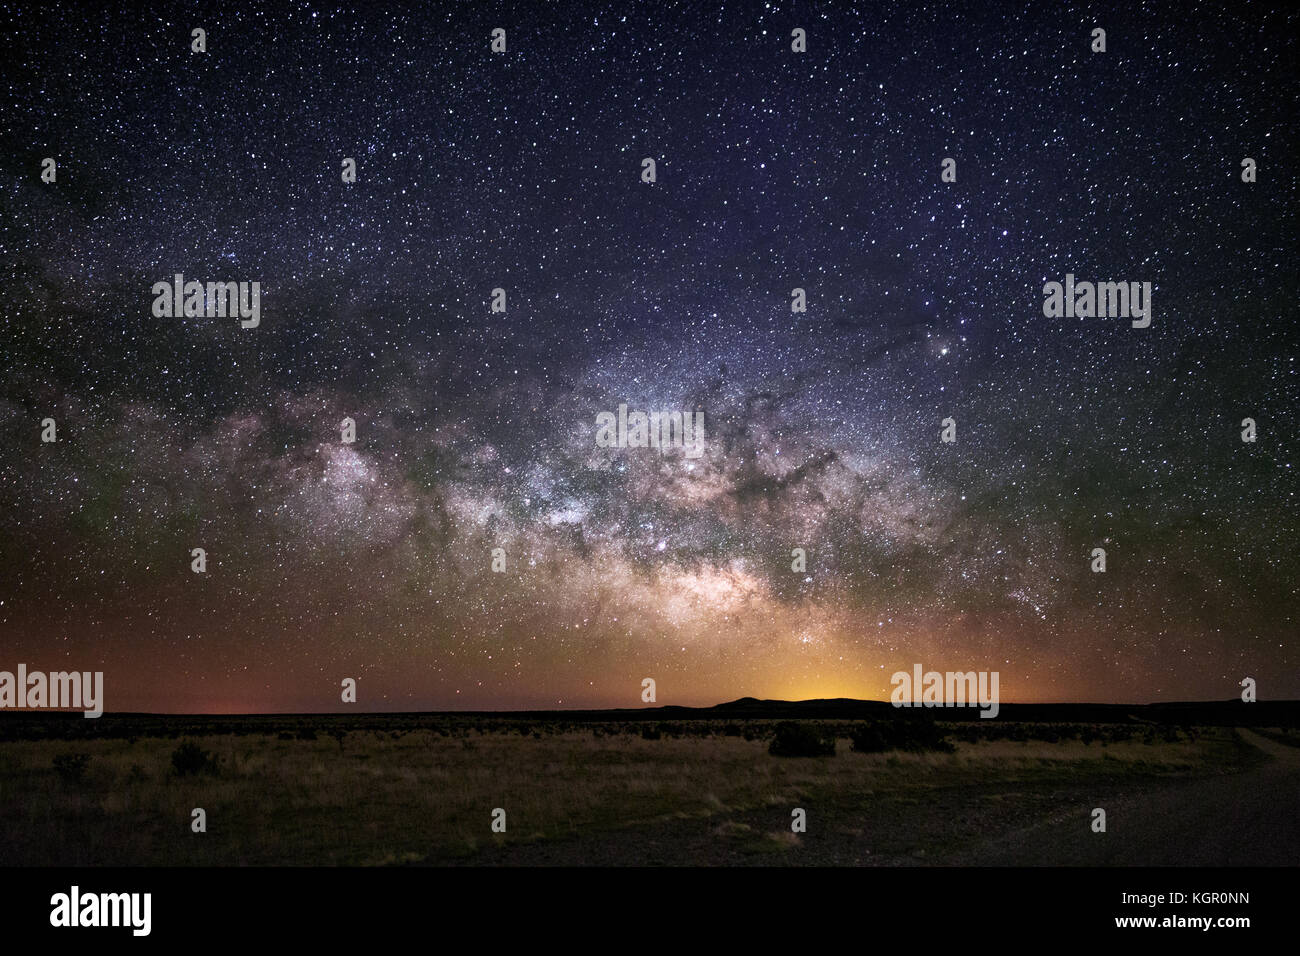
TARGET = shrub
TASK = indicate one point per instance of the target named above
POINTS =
(71, 767)
(800, 740)
(650, 732)
(870, 739)
(190, 758)
(914, 735)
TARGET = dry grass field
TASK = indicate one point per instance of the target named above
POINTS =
(609, 795)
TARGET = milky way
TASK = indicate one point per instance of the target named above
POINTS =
(475, 430)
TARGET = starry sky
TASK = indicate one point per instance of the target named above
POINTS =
(476, 430)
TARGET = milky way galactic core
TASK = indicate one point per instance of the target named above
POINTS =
(505, 356)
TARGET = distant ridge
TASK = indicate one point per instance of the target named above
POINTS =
(1232, 712)
(16, 724)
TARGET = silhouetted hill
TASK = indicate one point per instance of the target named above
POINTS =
(16, 724)
(1206, 713)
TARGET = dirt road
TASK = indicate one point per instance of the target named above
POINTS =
(1248, 818)
(1244, 819)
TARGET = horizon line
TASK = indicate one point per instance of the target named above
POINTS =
(631, 710)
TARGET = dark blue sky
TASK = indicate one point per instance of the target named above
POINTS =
(521, 170)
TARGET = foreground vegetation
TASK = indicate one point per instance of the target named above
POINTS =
(426, 794)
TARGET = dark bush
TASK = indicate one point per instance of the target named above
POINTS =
(190, 758)
(650, 732)
(914, 735)
(71, 767)
(871, 739)
(800, 740)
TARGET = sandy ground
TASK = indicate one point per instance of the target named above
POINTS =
(1245, 819)
(1241, 819)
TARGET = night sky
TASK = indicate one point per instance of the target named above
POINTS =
(476, 430)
